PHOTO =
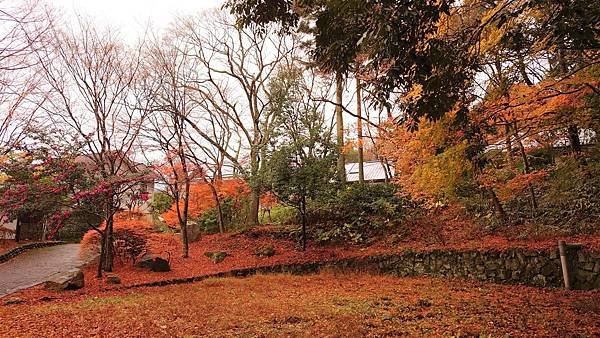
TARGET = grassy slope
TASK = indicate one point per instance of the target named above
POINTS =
(317, 305)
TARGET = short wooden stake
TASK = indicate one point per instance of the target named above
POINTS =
(564, 263)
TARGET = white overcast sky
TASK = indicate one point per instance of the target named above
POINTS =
(131, 17)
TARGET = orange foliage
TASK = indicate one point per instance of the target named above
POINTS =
(268, 200)
(424, 171)
(546, 106)
(201, 197)
(127, 220)
(521, 182)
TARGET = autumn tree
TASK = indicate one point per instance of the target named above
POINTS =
(235, 67)
(398, 38)
(90, 74)
(164, 90)
(24, 26)
(38, 186)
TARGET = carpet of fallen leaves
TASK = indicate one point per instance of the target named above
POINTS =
(242, 249)
(327, 304)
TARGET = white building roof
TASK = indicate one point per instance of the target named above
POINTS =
(373, 171)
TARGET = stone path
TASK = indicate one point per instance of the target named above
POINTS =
(36, 266)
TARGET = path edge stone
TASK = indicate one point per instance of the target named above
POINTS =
(14, 252)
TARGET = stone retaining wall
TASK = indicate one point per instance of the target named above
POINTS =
(516, 266)
(25, 247)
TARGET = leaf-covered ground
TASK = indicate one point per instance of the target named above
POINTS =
(242, 247)
(327, 304)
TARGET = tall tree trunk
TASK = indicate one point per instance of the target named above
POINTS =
(254, 205)
(304, 221)
(572, 129)
(339, 120)
(523, 70)
(500, 213)
(215, 196)
(18, 230)
(526, 168)
(107, 264)
(102, 256)
(574, 140)
(509, 148)
(361, 162)
(184, 219)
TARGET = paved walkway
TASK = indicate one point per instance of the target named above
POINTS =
(36, 266)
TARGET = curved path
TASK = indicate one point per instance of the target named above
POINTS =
(37, 266)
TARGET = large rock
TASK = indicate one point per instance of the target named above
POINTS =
(153, 263)
(111, 278)
(193, 231)
(72, 280)
(216, 257)
(266, 251)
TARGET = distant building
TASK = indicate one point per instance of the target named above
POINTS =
(374, 171)
(7, 229)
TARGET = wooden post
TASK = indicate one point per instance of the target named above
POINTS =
(562, 249)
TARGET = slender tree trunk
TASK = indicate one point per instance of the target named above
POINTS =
(18, 230)
(361, 162)
(339, 120)
(102, 256)
(108, 243)
(184, 220)
(256, 185)
(254, 205)
(523, 70)
(215, 196)
(497, 205)
(573, 131)
(303, 212)
(509, 148)
(526, 169)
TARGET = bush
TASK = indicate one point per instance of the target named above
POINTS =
(160, 203)
(280, 215)
(357, 212)
(235, 215)
(568, 200)
(76, 226)
(129, 244)
(571, 196)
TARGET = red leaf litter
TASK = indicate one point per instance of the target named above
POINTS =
(241, 249)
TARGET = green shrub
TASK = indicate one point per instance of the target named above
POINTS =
(357, 212)
(160, 203)
(76, 226)
(235, 215)
(568, 200)
(572, 195)
(280, 215)
(379, 203)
